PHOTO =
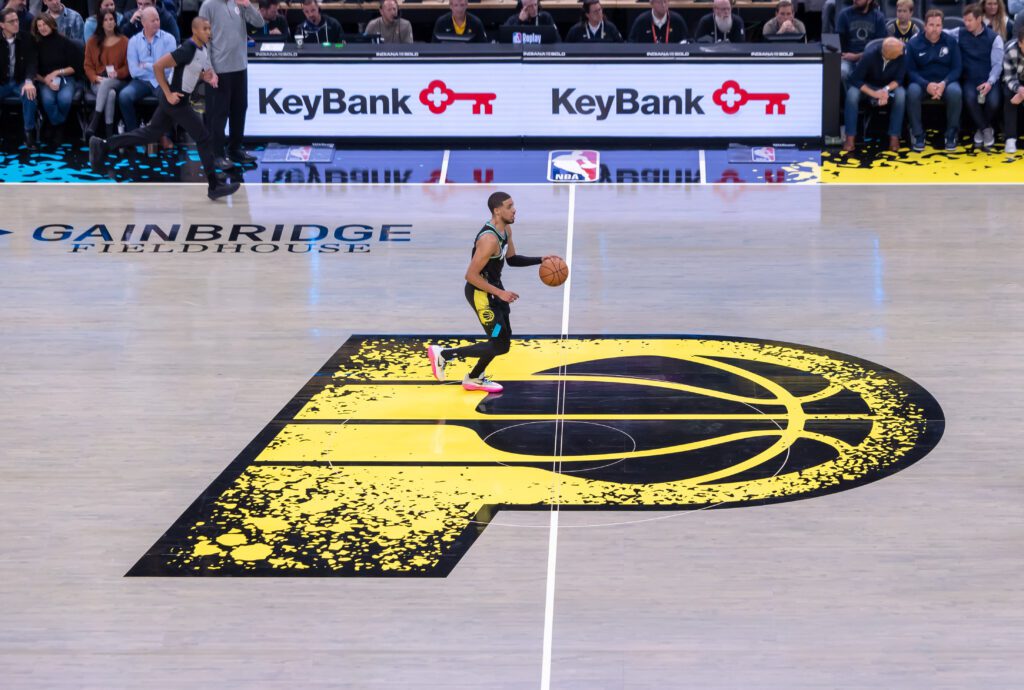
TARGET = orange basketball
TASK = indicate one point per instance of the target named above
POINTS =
(553, 271)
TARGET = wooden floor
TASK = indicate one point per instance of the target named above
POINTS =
(131, 380)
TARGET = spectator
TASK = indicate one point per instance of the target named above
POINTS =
(189, 65)
(274, 23)
(24, 16)
(69, 23)
(459, 22)
(318, 27)
(981, 54)
(903, 25)
(530, 14)
(168, 24)
(934, 67)
(106, 68)
(227, 104)
(784, 21)
(659, 25)
(721, 25)
(1013, 83)
(19, 62)
(593, 27)
(878, 79)
(858, 25)
(56, 56)
(389, 26)
(144, 49)
(996, 17)
(91, 22)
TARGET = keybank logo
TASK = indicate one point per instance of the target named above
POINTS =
(333, 102)
(624, 102)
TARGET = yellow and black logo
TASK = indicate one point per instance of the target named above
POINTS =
(374, 469)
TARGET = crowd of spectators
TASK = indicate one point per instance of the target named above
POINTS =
(54, 54)
(902, 65)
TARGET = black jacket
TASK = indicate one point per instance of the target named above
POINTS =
(579, 33)
(474, 32)
(707, 29)
(57, 52)
(24, 59)
(643, 30)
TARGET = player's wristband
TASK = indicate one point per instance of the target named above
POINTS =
(520, 260)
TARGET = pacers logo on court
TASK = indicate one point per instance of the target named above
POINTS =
(374, 469)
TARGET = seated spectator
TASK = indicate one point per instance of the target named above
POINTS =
(981, 54)
(106, 68)
(389, 26)
(56, 56)
(996, 17)
(21, 75)
(530, 14)
(934, 67)
(274, 23)
(593, 27)
(24, 16)
(659, 25)
(144, 49)
(857, 26)
(459, 22)
(903, 26)
(784, 21)
(69, 23)
(318, 27)
(91, 22)
(878, 79)
(168, 24)
(721, 25)
(1013, 88)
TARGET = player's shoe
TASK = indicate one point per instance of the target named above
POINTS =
(437, 362)
(482, 384)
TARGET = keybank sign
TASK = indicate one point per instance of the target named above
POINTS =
(515, 99)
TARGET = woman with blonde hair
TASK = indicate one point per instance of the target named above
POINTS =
(996, 17)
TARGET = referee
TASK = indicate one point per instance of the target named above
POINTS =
(190, 64)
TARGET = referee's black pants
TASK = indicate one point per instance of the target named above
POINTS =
(163, 119)
(226, 105)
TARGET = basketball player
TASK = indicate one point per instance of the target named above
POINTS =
(488, 297)
(190, 63)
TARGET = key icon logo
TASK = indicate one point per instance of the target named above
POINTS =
(437, 97)
(731, 97)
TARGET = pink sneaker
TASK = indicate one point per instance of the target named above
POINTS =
(437, 362)
(482, 384)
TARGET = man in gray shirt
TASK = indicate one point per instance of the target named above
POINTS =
(226, 105)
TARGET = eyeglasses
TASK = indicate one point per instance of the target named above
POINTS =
(12, 20)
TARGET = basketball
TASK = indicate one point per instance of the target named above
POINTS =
(553, 271)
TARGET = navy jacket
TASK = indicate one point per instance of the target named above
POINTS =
(857, 29)
(875, 72)
(928, 62)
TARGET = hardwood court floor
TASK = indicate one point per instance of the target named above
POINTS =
(132, 378)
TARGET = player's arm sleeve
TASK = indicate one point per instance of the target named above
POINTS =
(520, 260)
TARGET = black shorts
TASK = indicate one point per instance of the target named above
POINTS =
(492, 312)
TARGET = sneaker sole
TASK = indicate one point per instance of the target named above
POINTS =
(222, 192)
(433, 353)
(493, 388)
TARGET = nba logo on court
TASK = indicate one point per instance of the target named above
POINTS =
(573, 166)
(763, 154)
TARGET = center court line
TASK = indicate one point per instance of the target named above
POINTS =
(549, 594)
(444, 167)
